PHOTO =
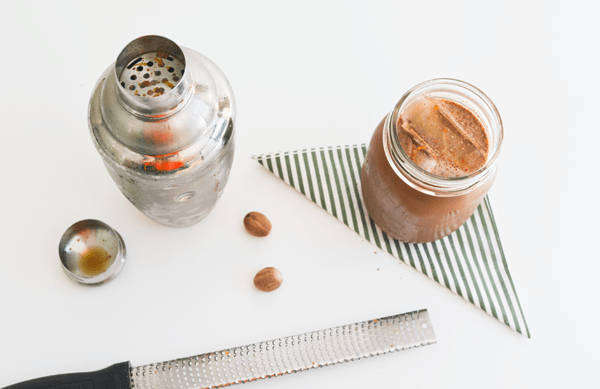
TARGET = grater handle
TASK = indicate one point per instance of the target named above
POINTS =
(113, 377)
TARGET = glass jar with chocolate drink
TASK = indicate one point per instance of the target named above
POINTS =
(431, 160)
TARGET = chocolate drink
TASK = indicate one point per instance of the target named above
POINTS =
(443, 137)
(443, 141)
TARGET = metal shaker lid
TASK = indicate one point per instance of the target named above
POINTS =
(91, 252)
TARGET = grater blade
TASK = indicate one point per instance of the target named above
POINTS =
(288, 355)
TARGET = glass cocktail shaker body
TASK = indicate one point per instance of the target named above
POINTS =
(162, 117)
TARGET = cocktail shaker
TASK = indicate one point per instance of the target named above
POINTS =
(162, 117)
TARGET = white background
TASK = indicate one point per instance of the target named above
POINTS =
(305, 74)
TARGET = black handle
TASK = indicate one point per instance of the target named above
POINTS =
(113, 377)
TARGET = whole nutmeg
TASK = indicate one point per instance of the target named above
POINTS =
(257, 224)
(268, 279)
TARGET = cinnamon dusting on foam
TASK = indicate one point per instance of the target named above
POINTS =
(443, 137)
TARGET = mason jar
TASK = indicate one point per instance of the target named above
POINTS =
(408, 201)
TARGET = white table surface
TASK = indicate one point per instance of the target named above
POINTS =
(308, 74)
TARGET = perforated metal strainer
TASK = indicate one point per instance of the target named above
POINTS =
(152, 74)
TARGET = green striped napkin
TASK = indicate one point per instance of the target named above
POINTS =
(470, 261)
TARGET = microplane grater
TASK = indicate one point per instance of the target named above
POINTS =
(260, 360)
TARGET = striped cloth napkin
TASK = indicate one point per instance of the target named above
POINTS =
(470, 261)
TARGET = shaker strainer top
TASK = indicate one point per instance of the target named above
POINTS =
(152, 74)
(150, 67)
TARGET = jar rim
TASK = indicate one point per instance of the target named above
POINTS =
(421, 179)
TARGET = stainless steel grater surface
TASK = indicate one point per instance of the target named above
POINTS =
(288, 355)
(261, 360)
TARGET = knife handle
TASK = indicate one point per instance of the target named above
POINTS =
(113, 377)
